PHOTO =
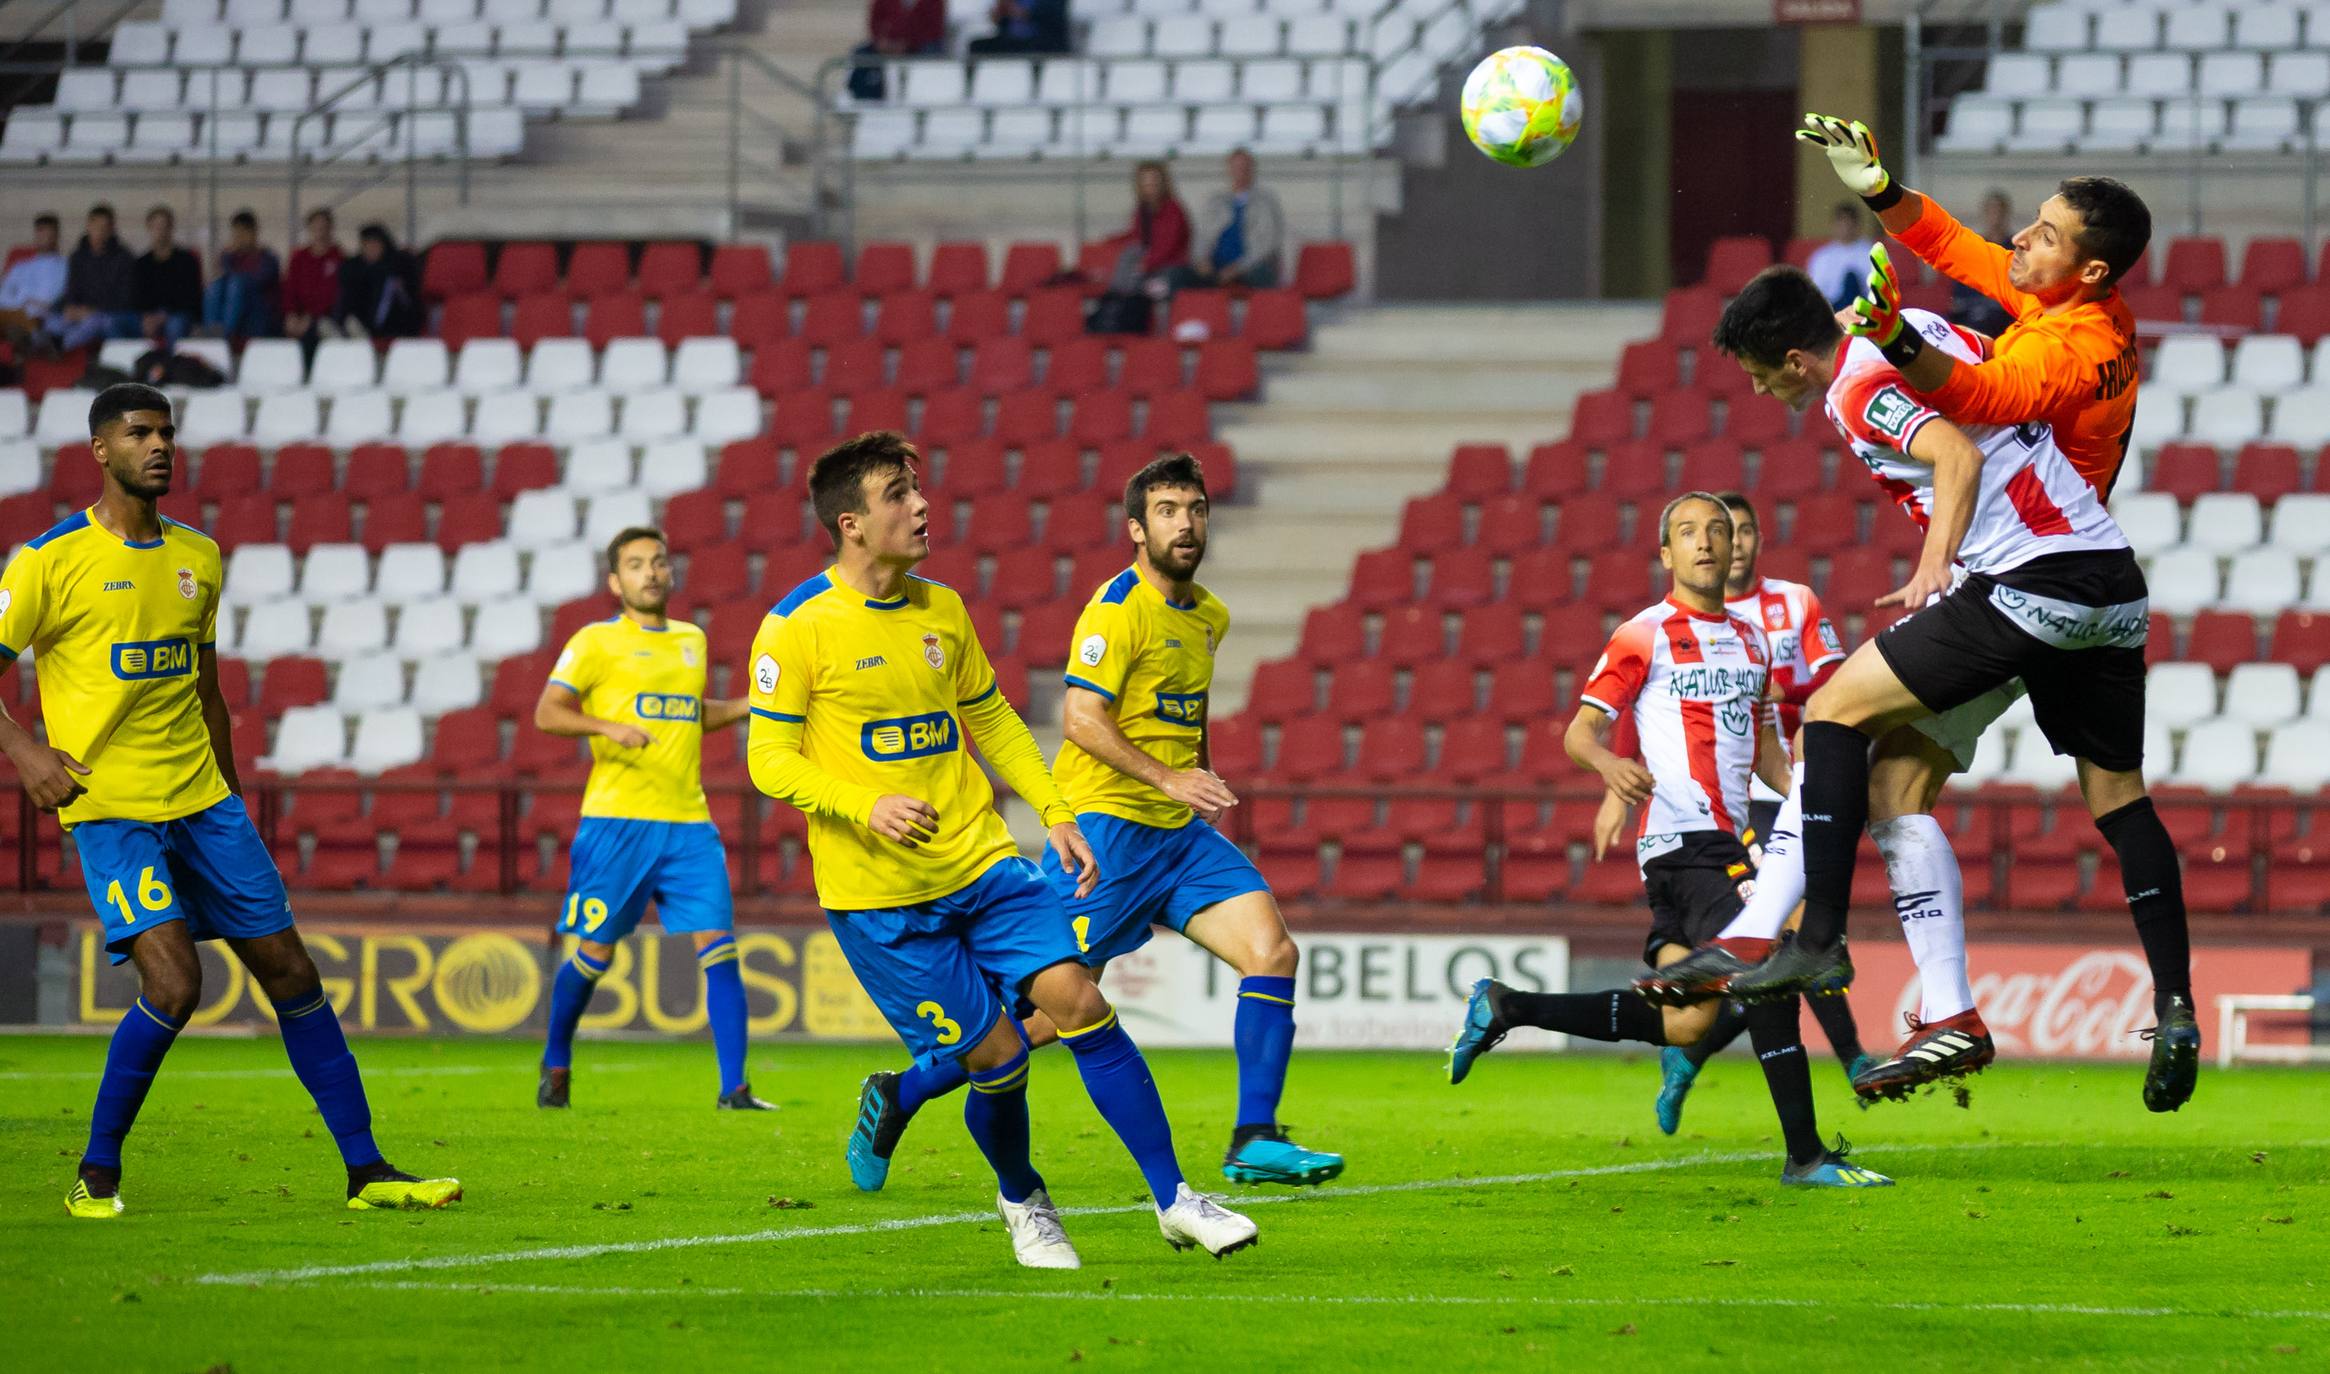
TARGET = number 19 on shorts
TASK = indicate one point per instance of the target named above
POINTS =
(584, 915)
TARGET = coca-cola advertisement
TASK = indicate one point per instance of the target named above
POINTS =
(2069, 1001)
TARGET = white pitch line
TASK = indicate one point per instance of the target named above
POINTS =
(406, 1071)
(1331, 1299)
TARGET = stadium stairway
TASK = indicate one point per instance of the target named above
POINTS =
(1361, 422)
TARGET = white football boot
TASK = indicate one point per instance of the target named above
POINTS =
(1196, 1219)
(1038, 1241)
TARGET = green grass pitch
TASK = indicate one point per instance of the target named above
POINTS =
(1532, 1219)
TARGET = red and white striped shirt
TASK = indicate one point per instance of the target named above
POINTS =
(2031, 501)
(1692, 682)
(1802, 640)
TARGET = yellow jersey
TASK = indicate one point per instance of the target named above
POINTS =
(116, 628)
(1154, 661)
(854, 699)
(654, 679)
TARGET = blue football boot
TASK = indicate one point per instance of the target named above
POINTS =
(880, 1123)
(1677, 1074)
(1265, 1155)
(1483, 1028)
(1832, 1170)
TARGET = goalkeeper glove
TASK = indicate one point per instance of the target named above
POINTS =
(1876, 313)
(1852, 153)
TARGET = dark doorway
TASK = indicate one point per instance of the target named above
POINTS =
(1733, 169)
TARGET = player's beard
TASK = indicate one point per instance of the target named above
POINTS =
(1177, 564)
(131, 477)
(648, 602)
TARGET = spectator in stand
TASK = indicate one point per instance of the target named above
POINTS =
(1156, 243)
(1025, 26)
(241, 301)
(100, 287)
(1240, 233)
(897, 28)
(1968, 306)
(380, 288)
(34, 284)
(1840, 267)
(311, 290)
(167, 290)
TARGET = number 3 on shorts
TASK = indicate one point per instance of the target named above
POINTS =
(153, 895)
(948, 1031)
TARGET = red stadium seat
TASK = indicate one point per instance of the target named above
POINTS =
(1715, 465)
(2302, 639)
(812, 267)
(804, 420)
(301, 470)
(1832, 519)
(1081, 521)
(2297, 878)
(1309, 749)
(2184, 471)
(690, 315)
(983, 314)
(1734, 258)
(323, 519)
(1635, 470)
(1282, 690)
(1333, 635)
(1045, 633)
(1478, 472)
(1787, 471)
(2267, 471)
(1150, 367)
(250, 519)
(1756, 422)
(226, 470)
(1276, 319)
(452, 269)
(1559, 470)
(1492, 634)
(1679, 419)
(1462, 578)
(1054, 315)
(998, 524)
(1003, 364)
(1511, 525)
(1602, 418)
(289, 682)
(1522, 689)
(2221, 639)
(1324, 270)
(1624, 578)
(926, 365)
(951, 417)
(695, 520)
(760, 319)
(1688, 319)
(876, 410)
(524, 269)
(746, 466)
(1029, 265)
(1026, 417)
(376, 470)
(525, 466)
(1382, 579)
(545, 315)
(468, 519)
(1227, 370)
(597, 269)
(1648, 368)
(974, 468)
(1106, 417)
(1203, 307)
(477, 315)
(74, 480)
(958, 268)
(853, 365)
(884, 267)
(2153, 305)
(739, 269)
(1586, 523)
(1858, 576)
(619, 314)
(833, 317)
(1362, 692)
(234, 682)
(1025, 576)
(2233, 308)
(670, 268)
(1096, 260)
(1048, 470)
(779, 368)
(1076, 366)
(1432, 522)
(2271, 265)
(2195, 264)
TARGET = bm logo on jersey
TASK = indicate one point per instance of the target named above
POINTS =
(909, 737)
(152, 658)
(664, 706)
(1182, 708)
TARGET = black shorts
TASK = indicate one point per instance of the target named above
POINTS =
(1694, 890)
(2070, 625)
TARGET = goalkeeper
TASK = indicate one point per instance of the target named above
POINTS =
(2069, 360)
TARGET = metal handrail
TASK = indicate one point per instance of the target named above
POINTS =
(411, 64)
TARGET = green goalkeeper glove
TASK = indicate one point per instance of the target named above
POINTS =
(1852, 152)
(1876, 312)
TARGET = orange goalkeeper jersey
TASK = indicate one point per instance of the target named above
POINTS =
(2075, 370)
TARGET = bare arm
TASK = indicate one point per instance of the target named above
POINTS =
(1588, 743)
(720, 713)
(1772, 758)
(559, 712)
(1091, 728)
(1957, 465)
(216, 718)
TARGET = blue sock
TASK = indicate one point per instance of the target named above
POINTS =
(320, 1056)
(1118, 1079)
(1264, 1037)
(131, 1061)
(923, 1083)
(577, 979)
(724, 1006)
(996, 1112)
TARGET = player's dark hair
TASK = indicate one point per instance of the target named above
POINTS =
(120, 399)
(2114, 223)
(1737, 503)
(1667, 515)
(244, 219)
(1172, 470)
(46, 220)
(1778, 311)
(837, 480)
(632, 536)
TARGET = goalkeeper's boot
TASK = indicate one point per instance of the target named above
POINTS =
(1703, 974)
(1038, 1240)
(740, 1099)
(383, 1186)
(552, 1090)
(96, 1195)
(1935, 1051)
(1830, 1169)
(2176, 1055)
(1263, 1154)
(1483, 1027)
(1676, 1073)
(1794, 968)
(880, 1123)
(1196, 1219)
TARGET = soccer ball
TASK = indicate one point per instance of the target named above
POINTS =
(1521, 106)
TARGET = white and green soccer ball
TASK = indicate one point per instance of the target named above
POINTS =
(1522, 106)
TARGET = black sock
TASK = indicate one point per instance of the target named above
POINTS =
(102, 1181)
(1729, 1022)
(1835, 1016)
(1780, 1049)
(1619, 1014)
(1836, 811)
(2154, 882)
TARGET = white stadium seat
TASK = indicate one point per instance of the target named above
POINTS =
(2301, 525)
(425, 629)
(207, 417)
(2268, 125)
(449, 682)
(2033, 762)
(660, 414)
(613, 512)
(2269, 363)
(63, 417)
(2297, 756)
(2087, 76)
(2227, 418)
(20, 467)
(562, 573)
(2183, 581)
(2056, 28)
(2303, 417)
(600, 465)
(560, 365)
(2262, 695)
(352, 628)
(2152, 521)
(256, 573)
(412, 572)
(308, 737)
(505, 629)
(359, 417)
(344, 365)
(416, 365)
(2266, 28)
(701, 365)
(274, 629)
(2261, 582)
(2218, 755)
(2186, 365)
(333, 573)
(140, 45)
(488, 365)
(488, 570)
(287, 417)
(386, 739)
(506, 417)
(2179, 695)
(2225, 522)
(271, 365)
(368, 683)
(728, 414)
(628, 365)
(538, 519)
(2300, 75)
(671, 466)
(431, 417)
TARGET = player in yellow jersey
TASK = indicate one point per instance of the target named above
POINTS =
(1140, 669)
(865, 682)
(634, 685)
(119, 606)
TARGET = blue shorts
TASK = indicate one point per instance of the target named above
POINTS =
(615, 866)
(210, 870)
(943, 971)
(1149, 876)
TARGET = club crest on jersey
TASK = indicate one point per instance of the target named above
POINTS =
(688, 655)
(1775, 615)
(186, 587)
(1738, 715)
(1209, 641)
(934, 653)
(1889, 412)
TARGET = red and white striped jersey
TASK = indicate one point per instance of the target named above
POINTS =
(1692, 682)
(2032, 502)
(1801, 638)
